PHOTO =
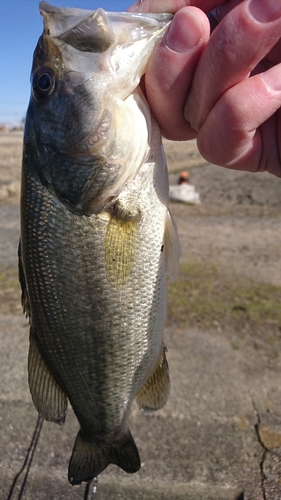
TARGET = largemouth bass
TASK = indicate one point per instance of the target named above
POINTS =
(97, 238)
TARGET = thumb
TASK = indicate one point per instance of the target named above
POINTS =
(171, 68)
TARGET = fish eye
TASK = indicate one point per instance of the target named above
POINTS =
(43, 83)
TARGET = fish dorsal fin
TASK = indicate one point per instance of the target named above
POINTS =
(48, 398)
(155, 392)
(172, 247)
(93, 34)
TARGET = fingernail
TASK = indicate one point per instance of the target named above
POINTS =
(265, 11)
(184, 33)
(272, 78)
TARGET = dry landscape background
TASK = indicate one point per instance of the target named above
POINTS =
(230, 271)
(219, 436)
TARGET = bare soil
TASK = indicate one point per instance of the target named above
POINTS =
(219, 435)
(231, 265)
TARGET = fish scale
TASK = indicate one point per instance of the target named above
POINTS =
(60, 227)
(95, 249)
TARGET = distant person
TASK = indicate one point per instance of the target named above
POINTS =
(183, 178)
(224, 89)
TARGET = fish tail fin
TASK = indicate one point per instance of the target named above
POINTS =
(125, 454)
(90, 458)
(86, 462)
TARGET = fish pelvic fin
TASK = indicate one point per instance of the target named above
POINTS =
(155, 392)
(90, 458)
(49, 399)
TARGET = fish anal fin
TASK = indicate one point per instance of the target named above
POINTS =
(89, 458)
(172, 247)
(49, 399)
(155, 392)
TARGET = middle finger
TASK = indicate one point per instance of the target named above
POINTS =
(242, 39)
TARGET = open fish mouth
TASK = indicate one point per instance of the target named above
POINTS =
(95, 31)
(85, 85)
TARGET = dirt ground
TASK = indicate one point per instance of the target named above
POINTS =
(224, 341)
(230, 274)
(230, 267)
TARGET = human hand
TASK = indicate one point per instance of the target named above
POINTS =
(224, 89)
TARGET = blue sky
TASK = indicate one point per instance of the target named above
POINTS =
(20, 28)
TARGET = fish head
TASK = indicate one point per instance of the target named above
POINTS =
(79, 125)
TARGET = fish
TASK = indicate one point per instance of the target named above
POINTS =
(97, 237)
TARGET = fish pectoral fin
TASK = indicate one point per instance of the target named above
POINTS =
(90, 458)
(126, 211)
(172, 247)
(121, 243)
(49, 399)
(155, 392)
(24, 294)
